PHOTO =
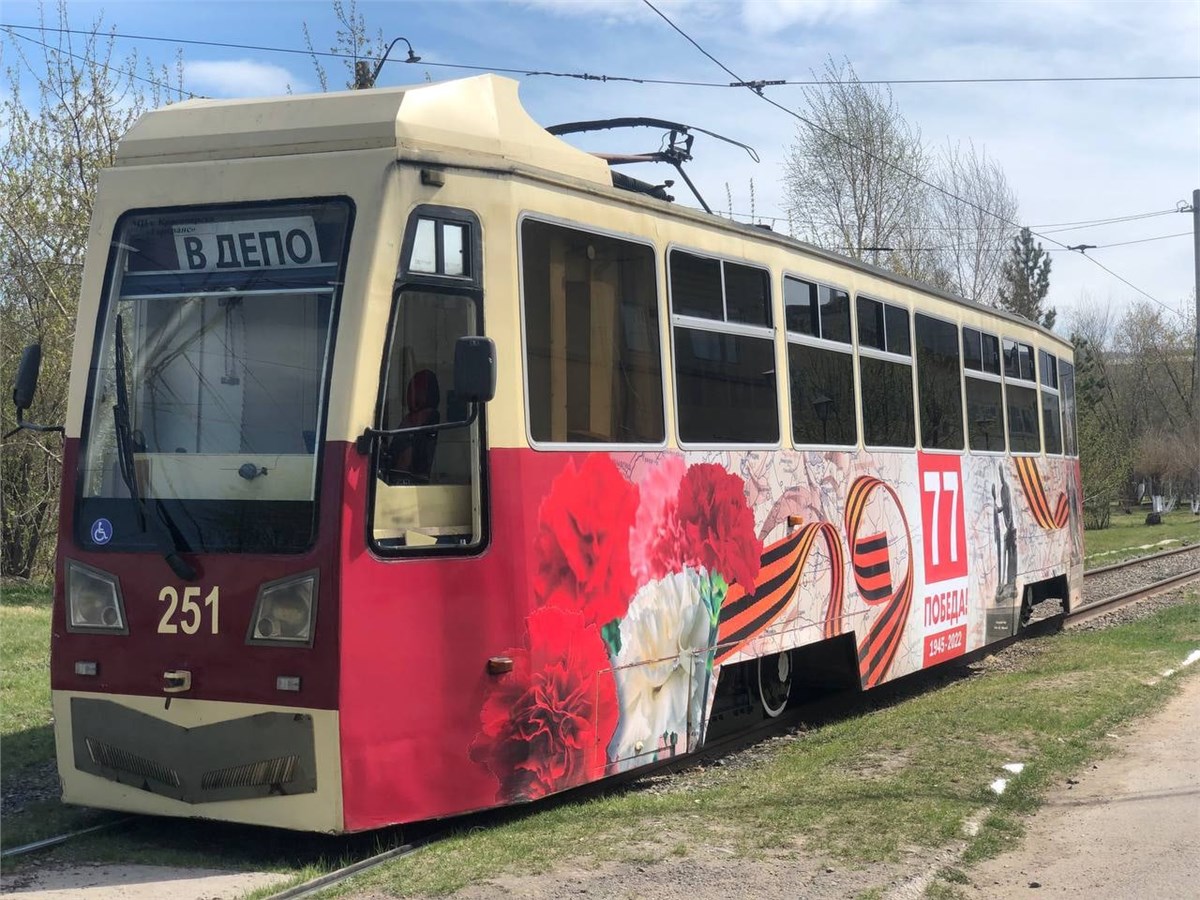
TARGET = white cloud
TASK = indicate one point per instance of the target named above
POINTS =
(238, 78)
(771, 16)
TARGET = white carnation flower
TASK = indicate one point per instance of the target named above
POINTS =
(661, 667)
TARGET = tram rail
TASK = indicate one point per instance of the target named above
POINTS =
(56, 840)
(1140, 560)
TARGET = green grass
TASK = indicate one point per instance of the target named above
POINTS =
(863, 789)
(859, 790)
(24, 677)
(1129, 536)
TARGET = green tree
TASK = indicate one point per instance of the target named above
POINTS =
(1025, 280)
(55, 143)
(1105, 451)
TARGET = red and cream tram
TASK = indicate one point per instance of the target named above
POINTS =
(313, 573)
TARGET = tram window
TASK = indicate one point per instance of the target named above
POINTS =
(593, 360)
(427, 494)
(1026, 354)
(985, 414)
(726, 387)
(870, 324)
(1066, 374)
(1022, 409)
(898, 338)
(1048, 368)
(439, 248)
(696, 286)
(991, 353)
(1052, 422)
(822, 394)
(747, 294)
(816, 310)
(939, 384)
(972, 349)
(883, 326)
(887, 402)
(719, 290)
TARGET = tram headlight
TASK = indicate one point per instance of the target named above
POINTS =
(285, 610)
(94, 601)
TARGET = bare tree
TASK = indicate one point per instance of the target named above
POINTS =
(854, 181)
(352, 42)
(55, 144)
(970, 216)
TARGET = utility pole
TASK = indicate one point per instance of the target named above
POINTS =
(1196, 260)
(1196, 347)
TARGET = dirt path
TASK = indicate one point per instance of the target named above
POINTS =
(131, 882)
(1130, 827)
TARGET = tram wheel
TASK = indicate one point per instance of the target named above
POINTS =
(775, 682)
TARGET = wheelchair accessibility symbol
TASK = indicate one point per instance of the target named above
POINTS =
(102, 531)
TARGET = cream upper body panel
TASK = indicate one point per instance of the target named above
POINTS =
(496, 162)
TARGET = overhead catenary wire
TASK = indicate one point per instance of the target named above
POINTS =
(108, 67)
(756, 87)
(1049, 228)
(758, 92)
(634, 79)
(903, 249)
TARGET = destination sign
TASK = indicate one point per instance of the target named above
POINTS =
(247, 244)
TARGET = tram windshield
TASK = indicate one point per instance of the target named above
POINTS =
(207, 400)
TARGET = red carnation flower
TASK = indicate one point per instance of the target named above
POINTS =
(545, 725)
(582, 546)
(717, 525)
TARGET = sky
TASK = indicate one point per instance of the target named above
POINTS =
(1073, 151)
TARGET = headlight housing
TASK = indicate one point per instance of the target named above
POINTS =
(285, 611)
(94, 603)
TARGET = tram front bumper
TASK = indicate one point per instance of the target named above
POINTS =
(237, 762)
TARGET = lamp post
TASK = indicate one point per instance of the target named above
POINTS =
(365, 78)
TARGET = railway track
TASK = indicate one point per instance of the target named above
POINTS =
(1181, 565)
(1170, 569)
(47, 843)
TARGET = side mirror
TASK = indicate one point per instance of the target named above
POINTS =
(27, 377)
(475, 369)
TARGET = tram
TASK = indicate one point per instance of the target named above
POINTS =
(415, 465)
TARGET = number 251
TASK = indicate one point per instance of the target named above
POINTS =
(191, 614)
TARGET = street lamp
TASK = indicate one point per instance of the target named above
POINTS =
(364, 79)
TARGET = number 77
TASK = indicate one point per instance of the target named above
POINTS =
(936, 483)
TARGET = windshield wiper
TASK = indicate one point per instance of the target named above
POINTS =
(160, 525)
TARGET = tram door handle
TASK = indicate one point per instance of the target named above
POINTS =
(177, 681)
(499, 665)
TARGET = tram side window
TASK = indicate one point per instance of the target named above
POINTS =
(1020, 389)
(725, 367)
(821, 372)
(593, 359)
(985, 403)
(1051, 407)
(1066, 377)
(939, 384)
(885, 374)
(428, 489)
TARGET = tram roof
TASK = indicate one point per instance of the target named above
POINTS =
(470, 119)
(477, 116)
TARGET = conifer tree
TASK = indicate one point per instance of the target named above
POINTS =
(1025, 280)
